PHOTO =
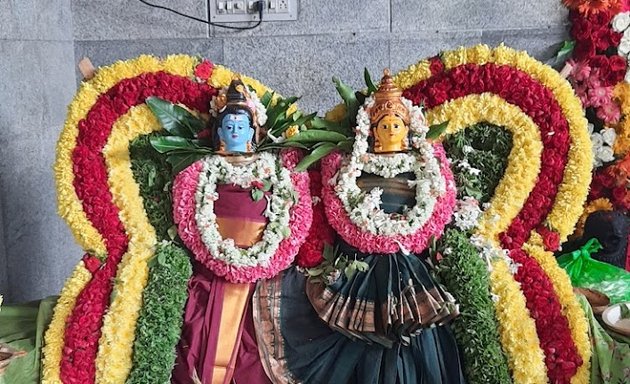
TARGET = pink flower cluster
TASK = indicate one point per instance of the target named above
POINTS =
(369, 243)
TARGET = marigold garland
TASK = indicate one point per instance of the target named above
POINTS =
(570, 175)
(574, 186)
(53, 340)
(517, 328)
(570, 305)
(113, 361)
(524, 159)
(117, 81)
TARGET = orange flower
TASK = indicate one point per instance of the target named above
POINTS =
(587, 7)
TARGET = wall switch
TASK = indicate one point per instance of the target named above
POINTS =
(242, 11)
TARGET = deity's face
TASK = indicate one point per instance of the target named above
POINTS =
(391, 133)
(236, 132)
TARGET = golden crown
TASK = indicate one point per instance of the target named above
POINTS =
(388, 101)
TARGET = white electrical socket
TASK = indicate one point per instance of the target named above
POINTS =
(236, 11)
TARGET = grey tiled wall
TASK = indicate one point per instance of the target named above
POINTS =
(41, 41)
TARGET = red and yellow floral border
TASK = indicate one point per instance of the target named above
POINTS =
(565, 177)
(91, 339)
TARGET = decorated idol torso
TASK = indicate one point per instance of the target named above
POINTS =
(236, 210)
(243, 214)
(390, 144)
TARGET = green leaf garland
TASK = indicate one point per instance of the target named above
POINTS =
(159, 324)
(464, 274)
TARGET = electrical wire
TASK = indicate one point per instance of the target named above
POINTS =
(259, 4)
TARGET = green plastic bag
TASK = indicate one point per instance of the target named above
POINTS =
(586, 272)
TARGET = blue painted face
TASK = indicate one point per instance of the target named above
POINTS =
(236, 131)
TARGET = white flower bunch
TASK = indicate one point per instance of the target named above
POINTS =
(621, 24)
(603, 143)
(467, 212)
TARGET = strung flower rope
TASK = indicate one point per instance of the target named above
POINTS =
(242, 269)
(91, 186)
(216, 169)
(369, 242)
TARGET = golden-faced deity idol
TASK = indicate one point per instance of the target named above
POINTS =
(389, 118)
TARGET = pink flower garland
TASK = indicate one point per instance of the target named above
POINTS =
(301, 216)
(369, 243)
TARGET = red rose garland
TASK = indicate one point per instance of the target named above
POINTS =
(84, 324)
(321, 233)
(537, 101)
(518, 88)
(561, 355)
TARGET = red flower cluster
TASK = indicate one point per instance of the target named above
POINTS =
(551, 239)
(203, 70)
(520, 89)
(561, 356)
(594, 7)
(321, 233)
(594, 73)
(612, 182)
(593, 34)
(83, 327)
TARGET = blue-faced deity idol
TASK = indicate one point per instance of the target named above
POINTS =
(236, 132)
(235, 129)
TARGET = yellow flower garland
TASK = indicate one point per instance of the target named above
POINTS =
(69, 205)
(113, 361)
(53, 340)
(571, 308)
(524, 159)
(573, 190)
(622, 94)
(413, 74)
(517, 328)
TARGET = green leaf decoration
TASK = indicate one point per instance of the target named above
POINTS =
(180, 160)
(160, 319)
(175, 119)
(257, 194)
(349, 98)
(313, 157)
(164, 144)
(564, 53)
(368, 82)
(625, 311)
(266, 99)
(464, 274)
(435, 131)
(319, 123)
(317, 136)
(153, 174)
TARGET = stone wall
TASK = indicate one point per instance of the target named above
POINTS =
(41, 42)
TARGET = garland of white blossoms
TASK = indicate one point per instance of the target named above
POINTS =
(364, 209)
(261, 111)
(217, 169)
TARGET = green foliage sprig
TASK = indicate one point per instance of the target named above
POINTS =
(333, 265)
(485, 147)
(152, 172)
(465, 276)
(161, 317)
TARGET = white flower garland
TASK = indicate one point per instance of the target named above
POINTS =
(364, 208)
(261, 111)
(217, 169)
